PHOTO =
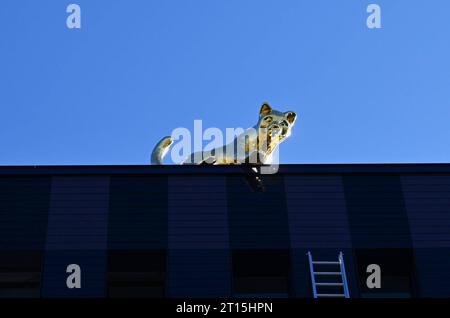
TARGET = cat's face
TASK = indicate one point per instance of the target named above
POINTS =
(276, 125)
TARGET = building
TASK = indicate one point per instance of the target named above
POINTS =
(207, 231)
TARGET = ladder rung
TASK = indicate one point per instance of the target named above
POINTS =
(329, 284)
(325, 263)
(330, 295)
(327, 273)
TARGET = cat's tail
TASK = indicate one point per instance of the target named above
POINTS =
(160, 150)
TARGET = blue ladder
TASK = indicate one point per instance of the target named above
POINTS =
(342, 286)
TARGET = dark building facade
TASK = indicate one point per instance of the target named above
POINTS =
(207, 231)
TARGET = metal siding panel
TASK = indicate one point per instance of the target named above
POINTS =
(199, 256)
(376, 210)
(72, 239)
(258, 219)
(428, 209)
(70, 196)
(24, 206)
(138, 213)
(317, 212)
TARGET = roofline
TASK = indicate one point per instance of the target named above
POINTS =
(387, 168)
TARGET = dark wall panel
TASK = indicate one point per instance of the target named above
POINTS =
(199, 255)
(258, 217)
(317, 212)
(137, 236)
(78, 215)
(24, 206)
(433, 278)
(77, 234)
(198, 216)
(138, 213)
(427, 200)
(376, 211)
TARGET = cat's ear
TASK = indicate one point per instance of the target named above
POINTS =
(291, 117)
(265, 109)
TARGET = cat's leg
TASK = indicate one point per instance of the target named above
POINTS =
(209, 161)
(253, 179)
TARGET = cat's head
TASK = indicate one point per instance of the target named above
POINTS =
(276, 125)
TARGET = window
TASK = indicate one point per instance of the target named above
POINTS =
(140, 274)
(261, 273)
(396, 272)
(20, 274)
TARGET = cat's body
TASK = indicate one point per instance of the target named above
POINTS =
(256, 145)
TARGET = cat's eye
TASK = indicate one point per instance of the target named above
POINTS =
(268, 118)
(284, 123)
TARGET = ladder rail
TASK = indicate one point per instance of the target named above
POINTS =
(344, 275)
(313, 279)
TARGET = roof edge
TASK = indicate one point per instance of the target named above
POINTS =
(239, 169)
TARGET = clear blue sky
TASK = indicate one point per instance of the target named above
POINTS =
(107, 93)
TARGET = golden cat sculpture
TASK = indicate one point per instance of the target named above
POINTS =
(255, 145)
